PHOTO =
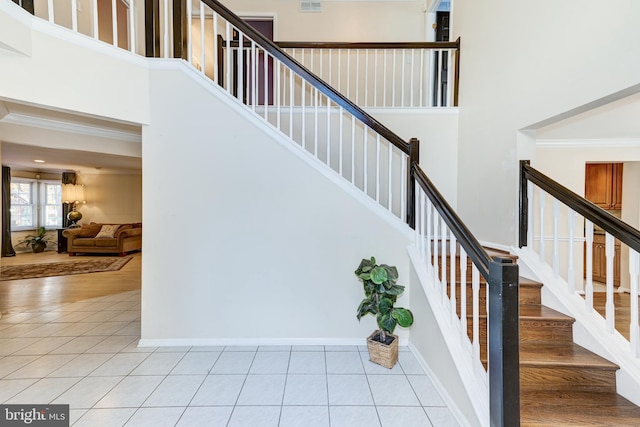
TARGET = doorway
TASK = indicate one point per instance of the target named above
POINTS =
(263, 76)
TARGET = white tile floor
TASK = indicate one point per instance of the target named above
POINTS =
(85, 354)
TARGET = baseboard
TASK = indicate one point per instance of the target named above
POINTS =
(207, 342)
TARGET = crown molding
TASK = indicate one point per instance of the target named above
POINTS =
(589, 143)
(65, 126)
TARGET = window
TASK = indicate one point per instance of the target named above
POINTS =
(35, 204)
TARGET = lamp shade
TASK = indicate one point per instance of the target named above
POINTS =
(73, 193)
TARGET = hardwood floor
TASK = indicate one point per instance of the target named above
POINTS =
(622, 311)
(30, 294)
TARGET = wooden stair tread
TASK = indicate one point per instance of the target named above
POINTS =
(561, 355)
(534, 311)
(576, 408)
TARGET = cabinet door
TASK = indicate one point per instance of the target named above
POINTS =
(599, 184)
(616, 192)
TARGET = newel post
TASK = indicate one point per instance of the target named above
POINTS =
(504, 343)
(414, 158)
(524, 205)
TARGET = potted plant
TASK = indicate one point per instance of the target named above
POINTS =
(37, 242)
(381, 292)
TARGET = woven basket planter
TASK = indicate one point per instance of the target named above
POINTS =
(383, 354)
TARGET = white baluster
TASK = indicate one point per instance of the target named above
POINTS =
(328, 131)
(421, 218)
(542, 201)
(190, 38)
(429, 242)
(315, 104)
(443, 257)
(556, 250)
(377, 167)
(166, 29)
(348, 73)
(436, 242)
(375, 78)
(240, 67)
(304, 109)
(475, 322)
(463, 296)
(634, 328)
(610, 305)
(390, 200)
(402, 83)
(330, 80)
(357, 82)
(278, 65)
(384, 78)
(366, 77)
(254, 76)
(341, 112)
(291, 105)
(215, 54)
(74, 15)
(571, 273)
(439, 79)
(413, 58)
(365, 166)
(589, 268)
(393, 80)
(431, 82)
(50, 11)
(230, 68)
(422, 102)
(450, 79)
(452, 278)
(94, 19)
(353, 150)
(132, 26)
(403, 188)
(417, 229)
(267, 87)
(203, 59)
(340, 71)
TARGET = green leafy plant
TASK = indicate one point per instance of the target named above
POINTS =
(381, 292)
(37, 241)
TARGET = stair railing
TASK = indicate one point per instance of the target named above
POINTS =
(445, 245)
(385, 75)
(560, 226)
(285, 94)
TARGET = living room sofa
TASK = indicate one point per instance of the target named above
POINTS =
(104, 238)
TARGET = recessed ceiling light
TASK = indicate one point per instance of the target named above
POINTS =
(39, 161)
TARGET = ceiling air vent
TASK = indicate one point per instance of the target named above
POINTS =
(310, 6)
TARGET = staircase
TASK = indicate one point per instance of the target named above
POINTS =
(561, 383)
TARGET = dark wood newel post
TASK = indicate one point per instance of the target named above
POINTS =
(414, 157)
(456, 74)
(524, 205)
(504, 343)
(152, 28)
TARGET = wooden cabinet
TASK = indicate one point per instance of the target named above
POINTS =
(600, 260)
(603, 184)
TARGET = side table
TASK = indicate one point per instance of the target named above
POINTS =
(62, 241)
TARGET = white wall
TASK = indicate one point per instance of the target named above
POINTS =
(523, 64)
(267, 244)
(111, 198)
(343, 21)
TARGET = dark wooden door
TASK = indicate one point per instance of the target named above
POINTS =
(264, 27)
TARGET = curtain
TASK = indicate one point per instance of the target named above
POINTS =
(7, 247)
(67, 178)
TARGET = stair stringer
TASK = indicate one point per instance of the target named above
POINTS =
(589, 329)
(452, 367)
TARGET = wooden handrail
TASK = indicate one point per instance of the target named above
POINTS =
(275, 51)
(368, 45)
(612, 225)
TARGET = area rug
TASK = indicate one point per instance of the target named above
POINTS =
(32, 271)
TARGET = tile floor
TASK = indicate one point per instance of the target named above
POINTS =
(85, 354)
